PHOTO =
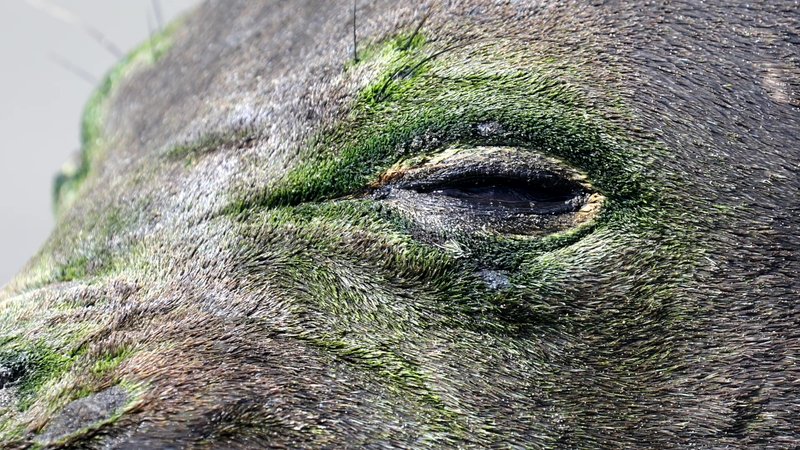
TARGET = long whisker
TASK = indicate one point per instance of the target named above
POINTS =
(407, 45)
(150, 34)
(355, 42)
(74, 69)
(159, 16)
(410, 70)
(64, 15)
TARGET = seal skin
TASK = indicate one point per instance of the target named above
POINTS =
(224, 275)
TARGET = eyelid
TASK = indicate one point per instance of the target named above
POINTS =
(411, 188)
(485, 162)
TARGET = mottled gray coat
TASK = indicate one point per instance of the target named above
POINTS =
(238, 262)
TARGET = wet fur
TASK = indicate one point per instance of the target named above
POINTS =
(236, 309)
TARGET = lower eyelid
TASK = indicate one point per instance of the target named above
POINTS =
(447, 215)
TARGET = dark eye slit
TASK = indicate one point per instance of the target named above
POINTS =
(542, 192)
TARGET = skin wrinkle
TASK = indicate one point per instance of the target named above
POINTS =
(222, 270)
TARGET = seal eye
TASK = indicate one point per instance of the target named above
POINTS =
(490, 189)
(544, 193)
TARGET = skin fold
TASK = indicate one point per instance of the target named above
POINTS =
(248, 256)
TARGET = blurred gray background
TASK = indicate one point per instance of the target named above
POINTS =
(41, 102)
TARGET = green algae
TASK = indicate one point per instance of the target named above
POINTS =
(34, 372)
(399, 372)
(391, 121)
(108, 363)
(416, 106)
(68, 182)
(96, 260)
(31, 367)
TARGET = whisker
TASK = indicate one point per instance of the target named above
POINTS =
(74, 69)
(159, 17)
(405, 71)
(407, 45)
(150, 33)
(436, 55)
(59, 13)
(355, 42)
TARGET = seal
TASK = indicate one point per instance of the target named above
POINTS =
(498, 224)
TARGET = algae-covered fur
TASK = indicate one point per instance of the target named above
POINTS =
(505, 224)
